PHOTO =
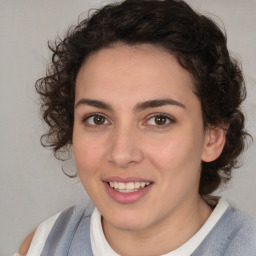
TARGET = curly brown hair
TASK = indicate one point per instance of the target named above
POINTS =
(196, 41)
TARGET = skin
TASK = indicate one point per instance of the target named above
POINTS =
(26, 243)
(131, 143)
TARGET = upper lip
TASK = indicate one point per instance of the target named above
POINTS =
(125, 179)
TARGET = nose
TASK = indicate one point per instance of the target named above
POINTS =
(124, 149)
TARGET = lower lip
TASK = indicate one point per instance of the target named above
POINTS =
(127, 198)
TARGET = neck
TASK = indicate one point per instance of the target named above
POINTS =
(162, 237)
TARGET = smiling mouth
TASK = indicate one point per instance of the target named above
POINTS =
(128, 187)
(127, 190)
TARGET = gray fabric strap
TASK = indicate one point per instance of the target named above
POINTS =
(233, 235)
(70, 235)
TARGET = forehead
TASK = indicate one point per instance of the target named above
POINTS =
(133, 73)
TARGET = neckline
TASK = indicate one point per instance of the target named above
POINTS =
(100, 246)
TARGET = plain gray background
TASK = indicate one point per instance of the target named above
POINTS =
(32, 185)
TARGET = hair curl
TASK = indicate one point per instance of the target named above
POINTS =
(195, 40)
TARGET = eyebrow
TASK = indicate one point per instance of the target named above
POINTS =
(138, 107)
(94, 103)
(157, 103)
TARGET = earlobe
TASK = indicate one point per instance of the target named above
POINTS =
(215, 139)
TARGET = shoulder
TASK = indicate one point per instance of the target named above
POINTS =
(26, 243)
(53, 227)
(243, 221)
(70, 219)
(233, 235)
(243, 237)
(247, 229)
(35, 240)
(70, 231)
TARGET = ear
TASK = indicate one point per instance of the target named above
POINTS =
(215, 138)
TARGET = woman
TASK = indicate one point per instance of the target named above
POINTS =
(149, 98)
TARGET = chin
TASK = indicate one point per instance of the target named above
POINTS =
(129, 220)
(129, 225)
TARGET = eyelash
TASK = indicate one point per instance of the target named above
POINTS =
(169, 120)
(86, 118)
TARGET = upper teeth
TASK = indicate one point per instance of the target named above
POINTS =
(128, 185)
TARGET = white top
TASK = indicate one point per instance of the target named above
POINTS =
(42, 232)
(100, 245)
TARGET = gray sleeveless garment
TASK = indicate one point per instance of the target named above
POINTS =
(233, 235)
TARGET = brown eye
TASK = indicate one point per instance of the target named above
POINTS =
(95, 120)
(98, 120)
(160, 120)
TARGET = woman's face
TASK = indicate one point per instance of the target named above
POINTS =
(138, 135)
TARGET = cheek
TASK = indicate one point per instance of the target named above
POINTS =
(87, 153)
(176, 150)
(178, 164)
(87, 163)
(178, 161)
